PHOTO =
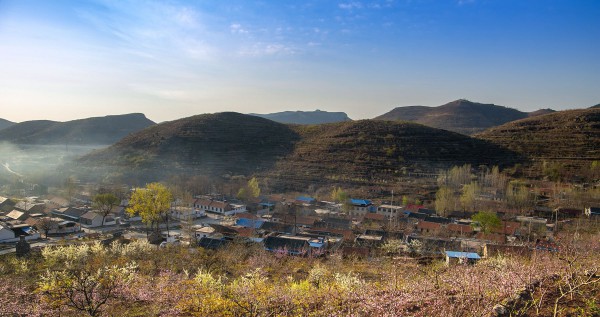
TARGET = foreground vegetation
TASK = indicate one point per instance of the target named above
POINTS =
(137, 279)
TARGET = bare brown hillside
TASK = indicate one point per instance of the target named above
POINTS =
(289, 156)
(570, 138)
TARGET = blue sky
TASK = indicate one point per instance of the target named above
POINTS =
(63, 60)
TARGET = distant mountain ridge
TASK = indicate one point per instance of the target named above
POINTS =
(96, 130)
(305, 117)
(540, 112)
(462, 116)
(5, 123)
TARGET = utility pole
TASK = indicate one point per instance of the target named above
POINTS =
(391, 209)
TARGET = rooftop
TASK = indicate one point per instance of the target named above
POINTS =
(468, 255)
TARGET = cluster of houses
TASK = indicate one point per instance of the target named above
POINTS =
(31, 217)
(305, 226)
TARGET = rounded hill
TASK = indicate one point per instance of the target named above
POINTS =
(290, 156)
(371, 150)
(570, 137)
(211, 144)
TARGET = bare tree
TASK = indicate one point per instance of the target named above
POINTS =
(104, 203)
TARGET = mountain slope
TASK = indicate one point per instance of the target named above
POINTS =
(460, 116)
(570, 137)
(370, 150)
(98, 130)
(290, 156)
(5, 123)
(305, 117)
(208, 144)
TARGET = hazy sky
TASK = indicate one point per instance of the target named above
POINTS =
(64, 60)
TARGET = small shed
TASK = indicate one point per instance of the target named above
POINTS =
(456, 257)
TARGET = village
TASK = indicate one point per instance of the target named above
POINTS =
(295, 225)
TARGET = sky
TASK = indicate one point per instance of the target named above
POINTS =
(63, 60)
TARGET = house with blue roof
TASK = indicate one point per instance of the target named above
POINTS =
(457, 257)
(306, 200)
(360, 207)
(296, 245)
(249, 223)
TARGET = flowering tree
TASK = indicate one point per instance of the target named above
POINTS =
(85, 290)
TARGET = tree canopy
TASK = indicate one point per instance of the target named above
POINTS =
(152, 203)
(251, 190)
(487, 220)
(104, 203)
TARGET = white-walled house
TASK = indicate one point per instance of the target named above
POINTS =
(64, 227)
(390, 211)
(360, 207)
(12, 234)
(92, 219)
(187, 213)
(219, 207)
(6, 233)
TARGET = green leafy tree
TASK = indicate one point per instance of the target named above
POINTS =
(251, 190)
(253, 187)
(338, 195)
(152, 203)
(104, 203)
(487, 221)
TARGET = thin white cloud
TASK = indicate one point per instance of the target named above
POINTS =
(267, 49)
(158, 28)
(350, 5)
(237, 28)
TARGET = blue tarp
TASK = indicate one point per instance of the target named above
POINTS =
(306, 199)
(468, 255)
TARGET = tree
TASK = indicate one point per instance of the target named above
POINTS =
(46, 224)
(445, 200)
(468, 198)
(517, 196)
(152, 203)
(251, 190)
(104, 203)
(253, 187)
(338, 195)
(487, 220)
(70, 187)
(84, 289)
